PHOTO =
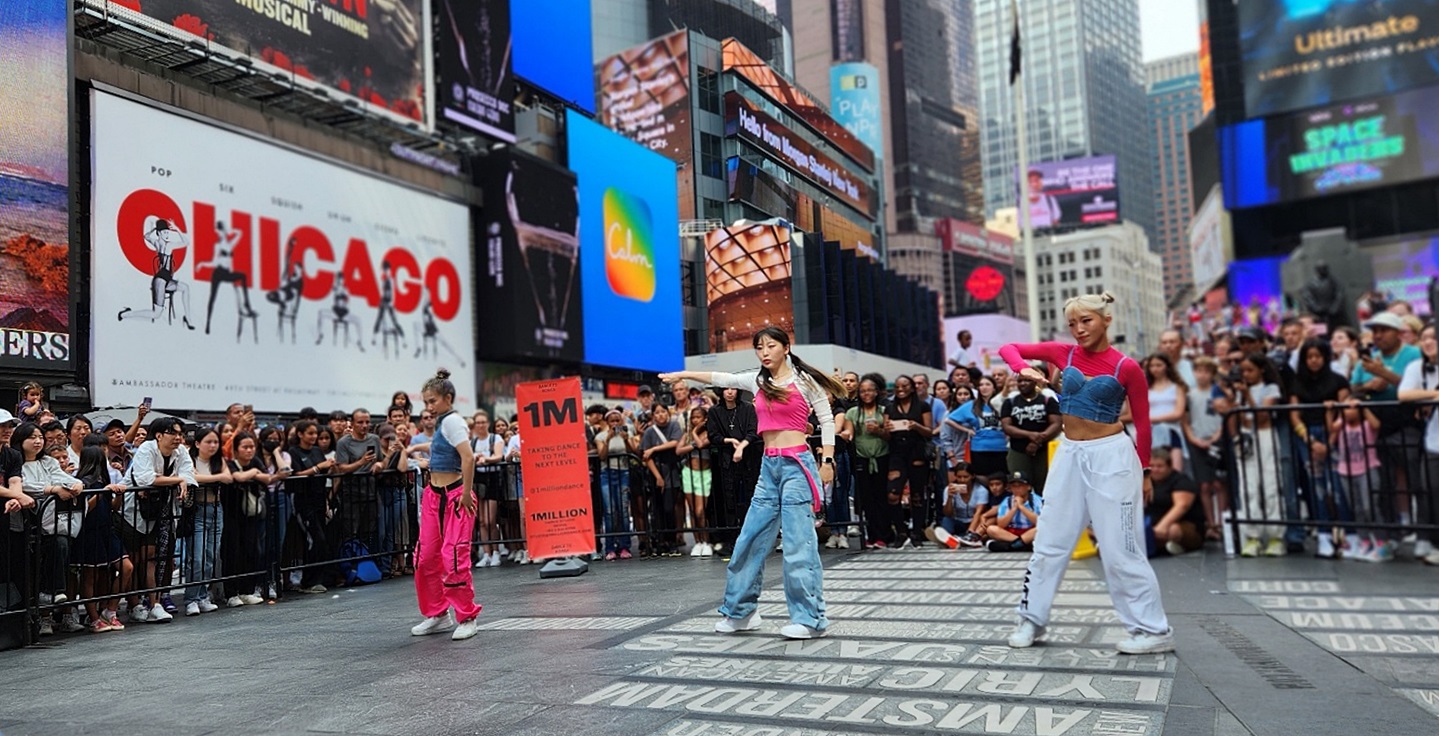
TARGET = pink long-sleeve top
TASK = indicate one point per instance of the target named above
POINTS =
(1093, 385)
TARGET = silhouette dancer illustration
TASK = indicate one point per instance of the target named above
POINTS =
(164, 239)
(227, 271)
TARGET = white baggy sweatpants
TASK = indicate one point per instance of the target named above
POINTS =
(1098, 481)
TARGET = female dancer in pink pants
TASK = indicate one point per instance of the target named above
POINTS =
(447, 522)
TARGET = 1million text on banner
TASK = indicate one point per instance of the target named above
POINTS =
(230, 269)
(559, 511)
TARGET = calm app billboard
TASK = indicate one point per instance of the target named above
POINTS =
(629, 249)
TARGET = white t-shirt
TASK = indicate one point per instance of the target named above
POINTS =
(513, 446)
(961, 356)
(1415, 378)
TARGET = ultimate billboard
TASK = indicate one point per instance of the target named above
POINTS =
(1333, 150)
(34, 185)
(1080, 191)
(1304, 53)
(473, 86)
(230, 269)
(372, 51)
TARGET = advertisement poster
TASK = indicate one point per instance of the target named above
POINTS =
(371, 50)
(1332, 150)
(1405, 270)
(1210, 242)
(981, 267)
(528, 287)
(744, 120)
(559, 512)
(854, 98)
(629, 250)
(1080, 191)
(644, 93)
(554, 48)
(473, 86)
(748, 282)
(229, 269)
(1305, 53)
(34, 185)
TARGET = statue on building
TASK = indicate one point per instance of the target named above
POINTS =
(1323, 297)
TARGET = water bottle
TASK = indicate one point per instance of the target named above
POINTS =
(1231, 548)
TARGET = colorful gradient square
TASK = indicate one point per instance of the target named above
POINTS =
(629, 246)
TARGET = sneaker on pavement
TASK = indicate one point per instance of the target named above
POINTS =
(611, 556)
(250, 599)
(907, 543)
(466, 629)
(1325, 549)
(1432, 559)
(1423, 548)
(970, 539)
(800, 631)
(192, 608)
(100, 625)
(843, 542)
(1356, 548)
(270, 592)
(1276, 548)
(434, 625)
(168, 604)
(625, 554)
(47, 627)
(158, 615)
(207, 606)
(734, 625)
(932, 534)
(1382, 552)
(879, 544)
(853, 531)
(708, 550)
(998, 545)
(1145, 643)
(315, 589)
(1174, 548)
(1251, 548)
(70, 623)
(696, 548)
(1024, 634)
(59, 598)
(234, 602)
(140, 614)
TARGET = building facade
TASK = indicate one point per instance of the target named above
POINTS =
(623, 24)
(1084, 87)
(1175, 106)
(1116, 259)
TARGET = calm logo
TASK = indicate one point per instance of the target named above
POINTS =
(629, 246)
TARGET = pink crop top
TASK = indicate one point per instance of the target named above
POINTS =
(777, 416)
(792, 414)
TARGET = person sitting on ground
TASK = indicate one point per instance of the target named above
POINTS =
(1018, 517)
(997, 493)
(1176, 517)
(964, 504)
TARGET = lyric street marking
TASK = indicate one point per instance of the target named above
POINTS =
(1401, 644)
(846, 612)
(1347, 603)
(1426, 698)
(959, 576)
(1284, 586)
(1056, 633)
(1358, 621)
(614, 623)
(1009, 596)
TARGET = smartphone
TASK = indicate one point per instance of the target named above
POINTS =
(147, 401)
(901, 425)
(249, 408)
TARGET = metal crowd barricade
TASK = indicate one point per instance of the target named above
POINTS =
(1372, 476)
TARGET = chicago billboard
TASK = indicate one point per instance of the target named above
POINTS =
(226, 268)
(1332, 150)
(528, 289)
(1305, 53)
(473, 86)
(371, 51)
(34, 185)
(854, 98)
(1081, 191)
(749, 282)
(629, 249)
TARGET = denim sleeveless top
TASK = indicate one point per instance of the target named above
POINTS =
(1097, 399)
(444, 458)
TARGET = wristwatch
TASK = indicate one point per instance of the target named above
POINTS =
(828, 461)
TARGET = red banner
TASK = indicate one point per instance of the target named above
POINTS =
(559, 519)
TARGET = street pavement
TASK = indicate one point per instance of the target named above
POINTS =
(1284, 646)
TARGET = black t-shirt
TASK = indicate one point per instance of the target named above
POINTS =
(1164, 500)
(11, 462)
(1030, 415)
(1316, 389)
(908, 440)
(300, 460)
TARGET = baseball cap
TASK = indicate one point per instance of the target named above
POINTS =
(645, 389)
(113, 424)
(1385, 319)
(1018, 476)
(7, 418)
(1250, 333)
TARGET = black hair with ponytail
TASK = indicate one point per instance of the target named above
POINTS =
(780, 393)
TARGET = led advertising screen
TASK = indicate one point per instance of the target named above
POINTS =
(554, 49)
(747, 122)
(372, 51)
(473, 87)
(981, 267)
(1405, 270)
(1305, 53)
(854, 98)
(34, 185)
(217, 280)
(1333, 150)
(527, 289)
(644, 93)
(629, 249)
(1080, 191)
(749, 282)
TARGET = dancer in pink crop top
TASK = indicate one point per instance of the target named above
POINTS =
(789, 492)
(1094, 480)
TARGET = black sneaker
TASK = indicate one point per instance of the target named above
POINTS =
(995, 545)
(1019, 545)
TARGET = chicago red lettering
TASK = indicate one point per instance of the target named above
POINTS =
(263, 254)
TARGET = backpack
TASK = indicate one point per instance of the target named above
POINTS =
(358, 571)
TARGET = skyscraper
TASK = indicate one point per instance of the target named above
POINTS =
(1084, 85)
(1174, 109)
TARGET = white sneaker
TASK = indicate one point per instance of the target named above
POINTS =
(853, 531)
(1423, 548)
(1143, 643)
(270, 592)
(139, 615)
(504, 551)
(832, 542)
(250, 599)
(192, 609)
(732, 625)
(524, 557)
(206, 606)
(235, 602)
(434, 625)
(706, 550)
(47, 627)
(1174, 548)
(495, 560)
(1431, 559)
(466, 629)
(696, 549)
(158, 615)
(70, 623)
(907, 543)
(295, 578)
(1024, 634)
(1325, 549)
(843, 542)
(800, 631)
